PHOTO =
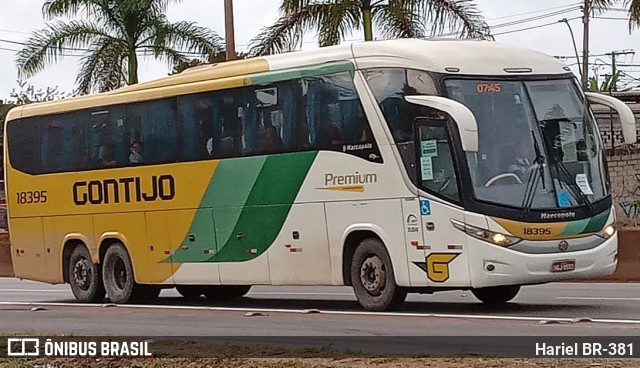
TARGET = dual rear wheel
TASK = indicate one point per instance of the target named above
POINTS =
(114, 277)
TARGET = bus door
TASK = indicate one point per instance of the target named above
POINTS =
(445, 262)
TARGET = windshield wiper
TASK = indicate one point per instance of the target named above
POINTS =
(574, 189)
(534, 177)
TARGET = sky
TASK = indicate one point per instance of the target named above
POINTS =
(21, 17)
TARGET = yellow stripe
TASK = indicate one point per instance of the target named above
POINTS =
(346, 188)
(537, 231)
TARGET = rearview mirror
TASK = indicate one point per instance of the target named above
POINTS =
(627, 119)
(461, 115)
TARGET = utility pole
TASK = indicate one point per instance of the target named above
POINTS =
(573, 40)
(613, 55)
(229, 32)
(585, 44)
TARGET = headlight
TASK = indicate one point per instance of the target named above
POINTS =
(486, 235)
(607, 232)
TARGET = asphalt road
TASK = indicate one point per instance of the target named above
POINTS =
(563, 309)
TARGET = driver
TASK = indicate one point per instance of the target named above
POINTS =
(521, 164)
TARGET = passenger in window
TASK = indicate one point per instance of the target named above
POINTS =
(105, 156)
(135, 157)
(270, 141)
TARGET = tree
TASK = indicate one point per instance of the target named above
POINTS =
(25, 95)
(112, 34)
(633, 6)
(184, 65)
(333, 20)
(607, 84)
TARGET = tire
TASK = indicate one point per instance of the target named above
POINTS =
(117, 274)
(85, 277)
(191, 292)
(372, 277)
(223, 293)
(496, 295)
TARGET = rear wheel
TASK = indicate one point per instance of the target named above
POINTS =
(220, 293)
(372, 277)
(85, 276)
(496, 295)
(117, 274)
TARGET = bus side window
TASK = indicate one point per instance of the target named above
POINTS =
(157, 130)
(336, 119)
(436, 168)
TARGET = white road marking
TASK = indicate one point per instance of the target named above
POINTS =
(33, 291)
(328, 312)
(592, 298)
(294, 293)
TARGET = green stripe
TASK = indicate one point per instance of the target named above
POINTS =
(322, 69)
(227, 192)
(588, 225)
(575, 227)
(244, 208)
(267, 207)
(597, 222)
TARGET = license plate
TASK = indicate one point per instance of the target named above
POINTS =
(563, 266)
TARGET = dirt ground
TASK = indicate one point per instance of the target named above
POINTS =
(319, 363)
(628, 257)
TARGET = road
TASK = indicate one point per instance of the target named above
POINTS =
(562, 309)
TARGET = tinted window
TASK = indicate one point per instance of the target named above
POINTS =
(390, 86)
(436, 168)
(311, 113)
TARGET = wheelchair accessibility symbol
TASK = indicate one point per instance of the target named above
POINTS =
(425, 207)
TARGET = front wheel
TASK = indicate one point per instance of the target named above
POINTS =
(85, 276)
(372, 277)
(496, 295)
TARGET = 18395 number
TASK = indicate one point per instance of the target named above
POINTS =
(537, 231)
(38, 196)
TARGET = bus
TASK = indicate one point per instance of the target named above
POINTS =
(394, 167)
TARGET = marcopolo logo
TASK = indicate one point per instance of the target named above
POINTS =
(557, 216)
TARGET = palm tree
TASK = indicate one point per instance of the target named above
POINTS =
(333, 20)
(632, 5)
(112, 34)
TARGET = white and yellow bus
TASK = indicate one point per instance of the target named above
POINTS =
(394, 167)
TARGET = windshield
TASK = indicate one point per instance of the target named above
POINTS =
(536, 148)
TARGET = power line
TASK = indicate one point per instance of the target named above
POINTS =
(611, 18)
(529, 28)
(531, 19)
(534, 11)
